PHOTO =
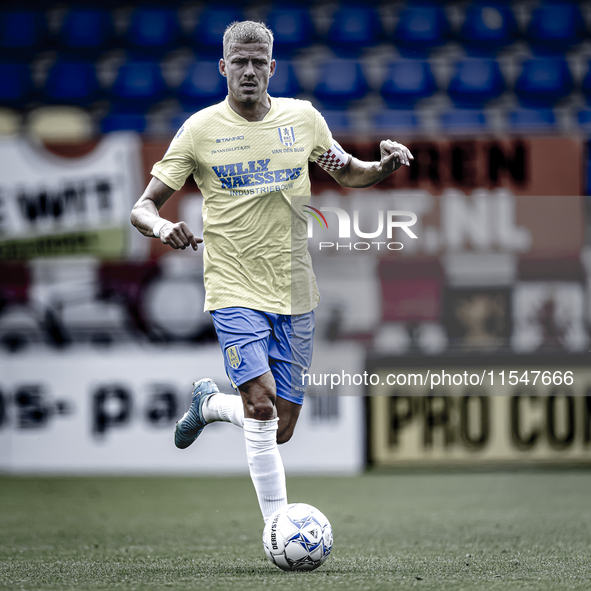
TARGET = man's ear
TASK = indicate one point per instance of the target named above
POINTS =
(272, 69)
(222, 67)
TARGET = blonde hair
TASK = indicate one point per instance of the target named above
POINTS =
(247, 32)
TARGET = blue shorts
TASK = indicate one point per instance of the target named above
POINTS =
(255, 342)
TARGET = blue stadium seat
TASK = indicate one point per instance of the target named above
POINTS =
(463, 120)
(16, 87)
(153, 30)
(420, 29)
(123, 122)
(475, 82)
(208, 33)
(202, 85)
(337, 121)
(292, 28)
(353, 28)
(396, 119)
(284, 81)
(22, 33)
(532, 119)
(72, 83)
(407, 82)
(584, 120)
(486, 29)
(137, 86)
(86, 30)
(178, 119)
(555, 27)
(543, 82)
(341, 81)
(586, 84)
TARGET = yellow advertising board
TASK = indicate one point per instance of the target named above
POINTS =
(511, 415)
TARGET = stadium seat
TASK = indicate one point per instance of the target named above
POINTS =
(137, 86)
(584, 120)
(123, 122)
(555, 27)
(532, 119)
(284, 81)
(178, 119)
(71, 83)
(153, 30)
(10, 124)
(353, 28)
(86, 30)
(202, 86)
(407, 82)
(475, 82)
(60, 124)
(420, 29)
(341, 81)
(543, 82)
(22, 33)
(208, 33)
(337, 121)
(292, 28)
(486, 29)
(396, 119)
(16, 87)
(463, 120)
(586, 84)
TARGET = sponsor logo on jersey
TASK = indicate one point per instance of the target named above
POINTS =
(233, 355)
(286, 136)
(254, 172)
(229, 139)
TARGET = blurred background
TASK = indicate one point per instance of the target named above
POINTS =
(102, 331)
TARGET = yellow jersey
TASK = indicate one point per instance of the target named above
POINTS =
(254, 179)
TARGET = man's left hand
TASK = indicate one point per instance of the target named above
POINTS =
(393, 156)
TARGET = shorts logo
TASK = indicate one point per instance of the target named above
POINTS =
(287, 136)
(233, 355)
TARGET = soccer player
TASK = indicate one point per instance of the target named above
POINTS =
(249, 157)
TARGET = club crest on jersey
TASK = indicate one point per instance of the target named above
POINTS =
(287, 136)
(233, 355)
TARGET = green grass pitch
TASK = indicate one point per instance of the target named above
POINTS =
(497, 530)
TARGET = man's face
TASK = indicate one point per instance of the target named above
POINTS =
(248, 67)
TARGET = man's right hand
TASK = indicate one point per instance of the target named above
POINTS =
(145, 217)
(179, 235)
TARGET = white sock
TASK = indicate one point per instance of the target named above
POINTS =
(224, 407)
(266, 466)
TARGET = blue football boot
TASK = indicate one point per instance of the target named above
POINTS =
(190, 426)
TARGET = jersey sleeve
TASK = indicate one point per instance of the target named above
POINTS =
(327, 152)
(178, 162)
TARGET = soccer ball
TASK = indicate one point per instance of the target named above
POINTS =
(297, 537)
